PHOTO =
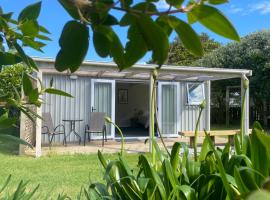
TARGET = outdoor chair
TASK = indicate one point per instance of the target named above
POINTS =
(96, 125)
(50, 130)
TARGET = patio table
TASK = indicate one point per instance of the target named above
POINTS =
(72, 123)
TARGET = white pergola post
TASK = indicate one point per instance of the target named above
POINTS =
(38, 122)
(246, 104)
(208, 106)
(151, 112)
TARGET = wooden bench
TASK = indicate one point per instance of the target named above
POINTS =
(213, 134)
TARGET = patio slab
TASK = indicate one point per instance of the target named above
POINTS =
(114, 146)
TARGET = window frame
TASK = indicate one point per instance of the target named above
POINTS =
(194, 103)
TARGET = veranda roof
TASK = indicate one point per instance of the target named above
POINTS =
(142, 71)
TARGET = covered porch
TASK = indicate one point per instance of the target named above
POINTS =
(167, 74)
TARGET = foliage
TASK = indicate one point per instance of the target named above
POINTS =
(11, 76)
(179, 55)
(219, 174)
(24, 31)
(253, 53)
(148, 29)
(21, 191)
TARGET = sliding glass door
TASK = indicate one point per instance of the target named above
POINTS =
(103, 100)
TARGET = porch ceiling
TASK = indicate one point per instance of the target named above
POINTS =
(142, 72)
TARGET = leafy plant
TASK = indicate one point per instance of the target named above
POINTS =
(148, 29)
(21, 192)
(17, 89)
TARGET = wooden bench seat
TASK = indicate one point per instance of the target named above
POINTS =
(213, 134)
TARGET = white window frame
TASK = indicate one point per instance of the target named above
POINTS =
(195, 103)
(112, 82)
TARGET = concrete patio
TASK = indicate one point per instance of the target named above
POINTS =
(114, 146)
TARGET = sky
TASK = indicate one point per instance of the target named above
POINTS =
(246, 15)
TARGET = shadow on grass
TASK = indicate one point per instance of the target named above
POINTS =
(7, 147)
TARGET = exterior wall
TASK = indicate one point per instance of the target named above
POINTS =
(79, 107)
(188, 113)
(68, 108)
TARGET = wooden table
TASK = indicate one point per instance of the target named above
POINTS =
(228, 133)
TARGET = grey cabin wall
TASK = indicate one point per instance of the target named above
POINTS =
(79, 107)
(68, 108)
(189, 113)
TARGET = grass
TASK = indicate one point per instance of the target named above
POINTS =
(55, 173)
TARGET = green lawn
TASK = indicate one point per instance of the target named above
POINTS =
(56, 173)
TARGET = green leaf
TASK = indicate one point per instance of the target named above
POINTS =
(163, 22)
(129, 19)
(33, 96)
(126, 3)
(188, 192)
(175, 3)
(175, 155)
(70, 8)
(6, 121)
(221, 169)
(11, 138)
(43, 29)
(31, 12)
(155, 38)
(30, 28)
(214, 20)
(43, 37)
(34, 44)
(26, 59)
(204, 150)
(9, 58)
(27, 84)
(58, 92)
(136, 47)
(102, 42)
(188, 36)
(240, 182)
(117, 51)
(258, 148)
(74, 42)
(149, 172)
(217, 2)
(110, 21)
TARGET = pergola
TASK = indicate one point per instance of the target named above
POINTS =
(109, 70)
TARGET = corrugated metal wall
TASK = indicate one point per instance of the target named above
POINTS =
(188, 113)
(79, 107)
(68, 108)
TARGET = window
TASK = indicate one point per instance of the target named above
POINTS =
(195, 93)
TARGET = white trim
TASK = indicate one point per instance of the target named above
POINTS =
(93, 81)
(88, 67)
(160, 83)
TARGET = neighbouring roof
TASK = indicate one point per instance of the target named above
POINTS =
(142, 71)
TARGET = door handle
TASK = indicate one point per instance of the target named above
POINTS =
(92, 109)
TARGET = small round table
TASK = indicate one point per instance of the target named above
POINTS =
(72, 123)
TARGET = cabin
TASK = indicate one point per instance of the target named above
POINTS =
(125, 97)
